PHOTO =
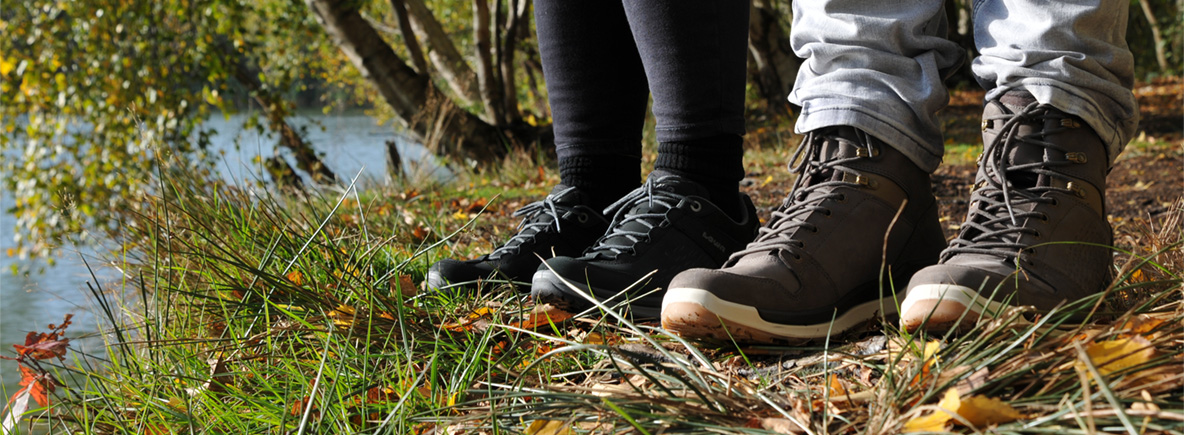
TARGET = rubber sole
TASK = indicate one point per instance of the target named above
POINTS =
(940, 308)
(547, 287)
(696, 312)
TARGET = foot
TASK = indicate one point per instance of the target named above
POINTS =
(820, 265)
(666, 226)
(560, 224)
(1036, 233)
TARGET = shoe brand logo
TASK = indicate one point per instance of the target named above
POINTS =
(714, 242)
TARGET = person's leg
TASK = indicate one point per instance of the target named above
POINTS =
(861, 217)
(1059, 109)
(695, 55)
(598, 94)
(690, 212)
(597, 90)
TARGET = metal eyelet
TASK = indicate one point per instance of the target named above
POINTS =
(842, 198)
(582, 217)
(696, 206)
(1043, 217)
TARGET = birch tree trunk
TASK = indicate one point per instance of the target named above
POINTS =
(431, 116)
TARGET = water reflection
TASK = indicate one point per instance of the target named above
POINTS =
(351, 143)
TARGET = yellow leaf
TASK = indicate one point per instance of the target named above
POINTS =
(936, 421)
(594, 338)
(1116, 355)
(6, 66)
(549, 427)
(978, 410)
(768, 180)
(984, 411)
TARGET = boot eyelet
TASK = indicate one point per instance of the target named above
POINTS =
(1055, 202)
(696, 206)
(827, 215)
(841, 199)
(1036, 234)
(582, 217)
(1043, 217)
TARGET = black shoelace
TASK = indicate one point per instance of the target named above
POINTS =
(535, 220)
(805, 197)
(629, 229)
(992, 226)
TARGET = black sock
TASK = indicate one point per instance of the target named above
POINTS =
(715, 162)
(604, 178)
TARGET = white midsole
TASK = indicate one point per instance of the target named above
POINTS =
(745, 315)
(966, 296)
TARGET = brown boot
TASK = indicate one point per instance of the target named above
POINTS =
(1036, 233)
(816, 265)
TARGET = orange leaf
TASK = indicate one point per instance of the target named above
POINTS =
(295, 277)
(544, 314)
(39, 386)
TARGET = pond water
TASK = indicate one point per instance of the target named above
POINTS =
(351, 143)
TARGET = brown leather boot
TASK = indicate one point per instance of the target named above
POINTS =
(816, 265)
(1036, 233)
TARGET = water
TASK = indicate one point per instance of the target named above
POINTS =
(351, 143)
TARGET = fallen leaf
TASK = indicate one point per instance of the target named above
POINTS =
(541, 315)
(549, 427)
(404, 285)
(983, 411)
(936, 420)
(296, 278)
(1116, 355)
(781, 425)
(978, 410)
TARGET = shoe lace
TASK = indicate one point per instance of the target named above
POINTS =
(535, 221)
(814, 174)
(632, 224)
(993, 224)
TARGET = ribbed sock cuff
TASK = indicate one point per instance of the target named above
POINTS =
(716, 162)
(604, 178)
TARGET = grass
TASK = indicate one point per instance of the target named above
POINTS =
(249, 313)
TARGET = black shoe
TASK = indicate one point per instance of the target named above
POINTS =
(664, 227)
(560, 224)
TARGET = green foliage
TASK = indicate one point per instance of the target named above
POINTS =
(88, 87)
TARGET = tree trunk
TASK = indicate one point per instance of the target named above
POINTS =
(1156, 37)
(776, 65)
(413, 50)
(394, 162)
(443, 53)
(430, 116)
(276, 112)
(491, 90)
(515, 17)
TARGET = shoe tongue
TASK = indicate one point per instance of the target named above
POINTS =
(564, 194)
(1017, 99)
(677, 184)
(838, 145)
(1022, 153)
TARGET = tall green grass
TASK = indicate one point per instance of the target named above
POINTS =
(244, 312)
